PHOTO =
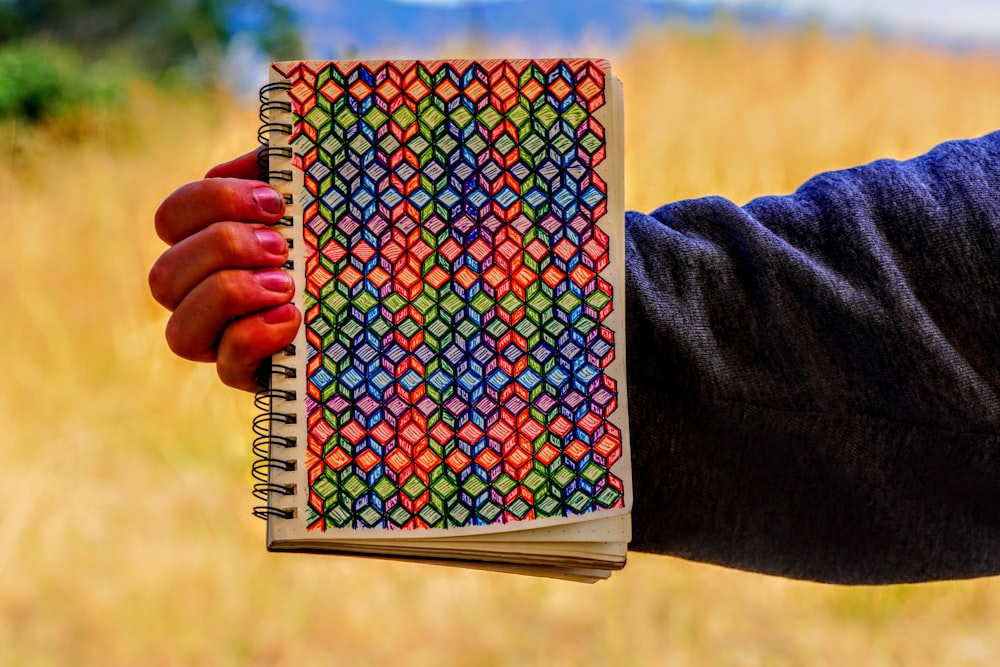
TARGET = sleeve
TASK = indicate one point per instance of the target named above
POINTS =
(814, 379)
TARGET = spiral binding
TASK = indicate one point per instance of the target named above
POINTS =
(266, 441)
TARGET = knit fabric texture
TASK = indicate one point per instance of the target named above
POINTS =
(814, 379)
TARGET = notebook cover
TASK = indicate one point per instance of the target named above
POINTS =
(459, 253)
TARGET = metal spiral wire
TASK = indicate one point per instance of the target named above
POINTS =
(266, 441)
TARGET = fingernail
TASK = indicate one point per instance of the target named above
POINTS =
(278, 315)
(268, 200)
(271, 241)
(274, 280)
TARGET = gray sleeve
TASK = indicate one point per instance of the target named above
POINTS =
(814, 380)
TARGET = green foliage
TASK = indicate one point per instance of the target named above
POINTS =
(158, 36)
(40, 81)
(281, 39)
(57, 56)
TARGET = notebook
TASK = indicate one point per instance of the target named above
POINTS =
(457, 391)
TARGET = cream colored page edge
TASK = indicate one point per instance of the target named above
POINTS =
(296, 478)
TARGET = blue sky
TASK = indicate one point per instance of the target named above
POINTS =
(340, 28)
(979, 19)
(956, 18)
(416, 28)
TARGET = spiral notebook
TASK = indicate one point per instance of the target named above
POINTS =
(457, 391)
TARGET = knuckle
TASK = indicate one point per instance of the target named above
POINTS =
(187, 344)
(231, 286)
(163, 219)
(232, 198)
(159, 284)
(178, 339)
(172, 219)
(230, 241)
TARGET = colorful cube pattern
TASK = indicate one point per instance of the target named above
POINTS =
(455, 307)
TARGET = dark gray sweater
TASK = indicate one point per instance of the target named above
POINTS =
(814, 380)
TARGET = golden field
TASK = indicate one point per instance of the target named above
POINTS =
(126, 536)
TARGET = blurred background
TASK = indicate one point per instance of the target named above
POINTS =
(126, 536)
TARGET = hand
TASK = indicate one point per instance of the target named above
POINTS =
(221, 277)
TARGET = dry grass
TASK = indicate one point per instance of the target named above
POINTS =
(125, 531)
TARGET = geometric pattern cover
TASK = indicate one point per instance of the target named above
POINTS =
(454, 308)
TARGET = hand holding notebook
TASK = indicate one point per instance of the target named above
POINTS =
(456, 242)
(223, 251)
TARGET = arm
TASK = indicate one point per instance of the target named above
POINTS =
(814, 380)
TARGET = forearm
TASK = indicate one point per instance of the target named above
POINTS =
(813, 379)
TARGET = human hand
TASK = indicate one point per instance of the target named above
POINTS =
(221, 276)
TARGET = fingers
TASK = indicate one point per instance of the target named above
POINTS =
(193, 207)
(221, 276)
(223, 245)
(196, 326)
(245, 166)
(248, 341)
